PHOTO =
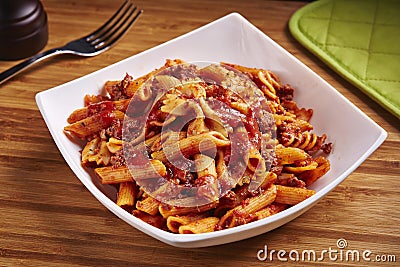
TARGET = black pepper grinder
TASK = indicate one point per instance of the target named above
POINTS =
(23, 28)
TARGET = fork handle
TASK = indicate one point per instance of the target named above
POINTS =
(11, 72)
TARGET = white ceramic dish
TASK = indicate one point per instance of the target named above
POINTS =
(230, 39)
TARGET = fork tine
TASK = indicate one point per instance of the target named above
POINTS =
(94, 35)
(111, 38)
(117, 24)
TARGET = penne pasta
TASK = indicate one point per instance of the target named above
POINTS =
(204, 225)
(155, 220)
(166, 210)
(270, 210)
(94, 123)
(148, 205)
(299, 169)
(174, 222)
(290, 155)
(292, 195)
(240, 214)
(77, 115)
(82, 113)
(199, 149)
(206, 177)
(191, 145)
(160, 139)
(126, 194)
(112, 175)
(205, 166)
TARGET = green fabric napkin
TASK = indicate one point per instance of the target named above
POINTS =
(359, 39)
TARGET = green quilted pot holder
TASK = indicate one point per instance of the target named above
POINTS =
(359, 39)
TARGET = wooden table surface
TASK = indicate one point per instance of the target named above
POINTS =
(48, 218)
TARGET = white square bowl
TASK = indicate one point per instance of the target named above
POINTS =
(230, 39)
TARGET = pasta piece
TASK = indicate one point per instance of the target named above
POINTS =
(214, 122)
(292, 195)
(240, 214)
(82, 113)
(163, 123)
(220, 165)
(306, 140)
(256, 162)
(196, 127)
(155, 220)
(270, 210)
(275, 109)
(206, 177)
(159, 140)
(77, 115)
(92, 99)
(148, 205)
(126, 194)
(175, 105)
(267, 89)
(204, 225)
(226, 181)
(205, 166)
(300, 125)
(242, 107)
(94, 123)
(247, 70)
(89, 150)
(264, 79)
(231, 199)
(263, 181)
(167, 210)
(150, 141)
(289, 179)
(191, 89)
(114, 145)
(112, 175)
(110, 85)
(191, 145)
(136, 86)
(125, 88)
(299, 169)
(96, 151)
(310, 176)
(174, 222)
(290, 155)
(246, 178)
(159, 71)
(302, 114)
(281, 119)
(272, 79)
(269, 179)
